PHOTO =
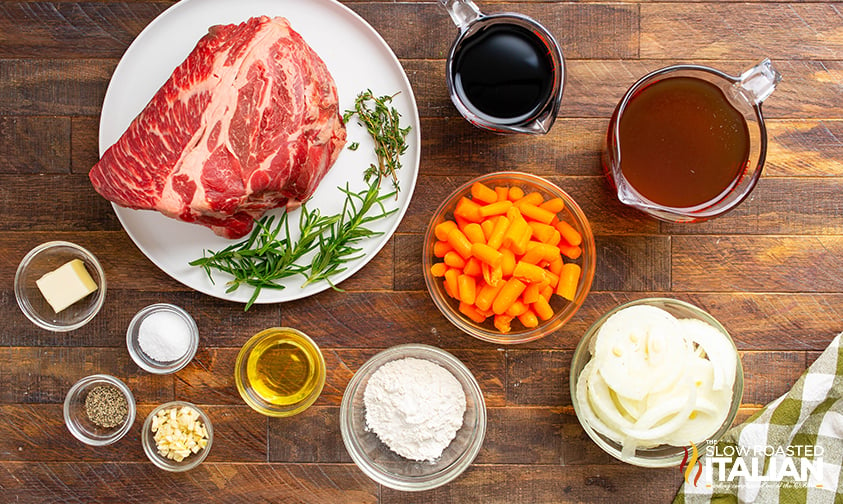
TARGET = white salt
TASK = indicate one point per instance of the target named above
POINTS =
(164, 336)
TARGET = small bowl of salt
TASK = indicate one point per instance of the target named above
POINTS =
(162, 338)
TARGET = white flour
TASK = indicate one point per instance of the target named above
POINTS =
(415, 407)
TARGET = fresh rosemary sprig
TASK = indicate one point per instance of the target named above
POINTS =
(336, 245)
(383, 123)
(263, 259)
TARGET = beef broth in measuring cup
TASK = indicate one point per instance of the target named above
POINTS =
(505, 72)
(687, 143)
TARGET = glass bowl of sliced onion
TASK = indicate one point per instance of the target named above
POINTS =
(655, 378)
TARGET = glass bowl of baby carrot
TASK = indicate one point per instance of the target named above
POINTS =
(508, 257)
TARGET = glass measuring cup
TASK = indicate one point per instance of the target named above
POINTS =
(668, 159)
(505, 72)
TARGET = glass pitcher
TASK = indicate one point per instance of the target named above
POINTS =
(514, 88)
(667, 176)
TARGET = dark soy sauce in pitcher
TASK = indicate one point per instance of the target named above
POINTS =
(503, 73)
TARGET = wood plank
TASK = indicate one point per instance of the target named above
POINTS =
(67, 203)
(726, 30)
(53, 87)
(779, 206)
(34, 144)
(61, 87)
(804, 148)
(142, 483)
(633, 263)
(781, 370)
(77, 30)
(757, 263)
(808, 90)
(105, 29)
(108, 329)
(549, 483)
(44, 375)
(37, 433)
(84, 143)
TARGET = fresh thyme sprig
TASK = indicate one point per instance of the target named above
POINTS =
(263, 259)
(383, 123)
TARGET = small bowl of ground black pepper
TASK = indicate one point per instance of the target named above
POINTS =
(99, 410)
(162, 338)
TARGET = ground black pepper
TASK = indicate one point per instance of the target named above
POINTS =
(106, 406)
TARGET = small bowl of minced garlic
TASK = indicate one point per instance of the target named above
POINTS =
(177, 436)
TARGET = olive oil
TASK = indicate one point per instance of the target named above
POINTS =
(284, 368)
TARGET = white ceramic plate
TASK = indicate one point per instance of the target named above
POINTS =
(357, 57)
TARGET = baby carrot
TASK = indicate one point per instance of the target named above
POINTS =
(460, 243)
(497, 208)
(472, 313)
(502, 192)
(438, 269)
(454, 260)
(528, 272)
(486, 254)
(517, 308)
(443, 228)
(495, 240)
(541, 252)
(519, 246)
(529, 319)
(483, 193)
(491, 275)
(530, 211)
(468, 288)
(451, 283)
(543, 232)
(515, 193)
(472, 267)
(503, 323)
(533, 198)
(569, 234)
(474, 233)
(440, 248)
(542, 308)
(508, 262)
(554, 205)
(486, 295)
(510, 292)
(569, 251)
(569, 277)
(488, 225)
(532, 292)
(468, 210)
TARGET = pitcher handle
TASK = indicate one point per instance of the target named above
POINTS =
(759, 81)
(462, 12)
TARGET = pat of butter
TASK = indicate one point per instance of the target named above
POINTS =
(66, 285)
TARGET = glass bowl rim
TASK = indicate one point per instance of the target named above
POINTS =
(146, 362)
(252, 400)
(560, 318)
(73, 394)
(581, 354)
(148, 441)
(454, 366)
(90, 260)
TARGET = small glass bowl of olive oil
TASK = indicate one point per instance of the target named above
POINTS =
(280, 372)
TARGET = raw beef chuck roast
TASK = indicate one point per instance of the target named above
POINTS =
(248, 122)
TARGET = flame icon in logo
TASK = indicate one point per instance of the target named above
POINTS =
(689, 461)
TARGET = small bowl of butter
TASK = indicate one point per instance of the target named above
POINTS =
(60, 286)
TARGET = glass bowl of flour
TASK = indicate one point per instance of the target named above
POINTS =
(413, 417)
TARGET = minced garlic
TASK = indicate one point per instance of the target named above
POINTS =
(179, 432)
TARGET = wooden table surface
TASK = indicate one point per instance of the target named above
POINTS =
(771, 271)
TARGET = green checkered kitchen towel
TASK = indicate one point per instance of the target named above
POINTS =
(791, 451)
